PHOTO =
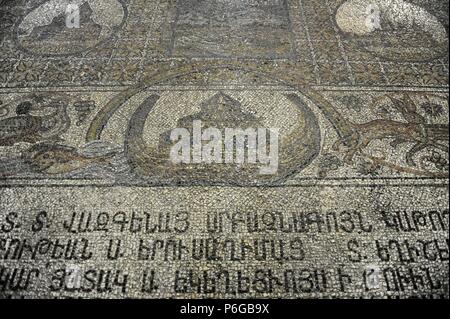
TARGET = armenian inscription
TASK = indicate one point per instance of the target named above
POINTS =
(228, 245)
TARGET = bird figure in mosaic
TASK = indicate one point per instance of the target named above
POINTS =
(23, 127)
(105, 13)
(29, 128)
(365, 17)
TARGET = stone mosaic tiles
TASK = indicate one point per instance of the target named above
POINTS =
(231, 29)
(91, 205)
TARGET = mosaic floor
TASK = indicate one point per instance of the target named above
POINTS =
(354, 199)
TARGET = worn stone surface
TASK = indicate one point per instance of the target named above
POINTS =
(91, 206)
